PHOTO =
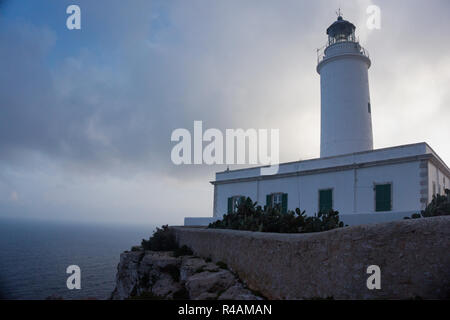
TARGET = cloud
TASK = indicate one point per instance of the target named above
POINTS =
(97, 107)
(14, 196)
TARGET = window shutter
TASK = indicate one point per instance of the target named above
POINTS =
(387, 197)
(383, 197)
(284, 203)
(269, 200)
(325, 200)
(378, 198)
(230, 205)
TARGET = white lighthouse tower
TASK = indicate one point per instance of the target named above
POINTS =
(346, 122)
(363, 184)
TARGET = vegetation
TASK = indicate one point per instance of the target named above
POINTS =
(252, 217)
(163, 239)
(439, 206)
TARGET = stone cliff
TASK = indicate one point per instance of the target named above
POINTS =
(161, 275)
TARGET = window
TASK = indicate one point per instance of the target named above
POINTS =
(369, 107)
(234, 203)
(277, 200)
(383, 201)
(434, 188)
(325, 200)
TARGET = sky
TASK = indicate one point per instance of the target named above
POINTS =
(86, 116)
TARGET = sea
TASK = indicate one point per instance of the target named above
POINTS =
(34, 256)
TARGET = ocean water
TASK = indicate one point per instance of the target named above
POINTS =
(34, 257)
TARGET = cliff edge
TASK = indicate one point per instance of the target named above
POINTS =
(160, 275)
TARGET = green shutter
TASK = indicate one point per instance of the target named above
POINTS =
(284, 203)
(383, 197)
(230, 205)
(269, 200)
(325, 200)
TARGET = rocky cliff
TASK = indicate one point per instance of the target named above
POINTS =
(161, 275)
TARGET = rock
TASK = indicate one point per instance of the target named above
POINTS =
(207, 296)
(165, 287)
(127, 274)
(238, 292)
(209, 282)
(191, 266)
(211, 267)
(159, 260)
(160, 275)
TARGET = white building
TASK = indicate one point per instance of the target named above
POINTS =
(363, 184)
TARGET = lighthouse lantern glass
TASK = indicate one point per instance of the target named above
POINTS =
(341, 31)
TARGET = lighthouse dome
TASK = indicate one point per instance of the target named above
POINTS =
(341, 30)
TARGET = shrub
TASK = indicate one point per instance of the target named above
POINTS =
(163, 239)
(439, 206)
(252, 217)
(324, 221)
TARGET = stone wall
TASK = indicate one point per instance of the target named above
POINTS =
(414, 257)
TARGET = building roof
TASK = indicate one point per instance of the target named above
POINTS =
(398, 154)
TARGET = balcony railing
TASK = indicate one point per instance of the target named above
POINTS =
(321, 51)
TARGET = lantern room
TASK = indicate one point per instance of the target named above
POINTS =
(341, 31)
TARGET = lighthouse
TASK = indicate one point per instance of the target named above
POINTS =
(363, 184)
(346, 121)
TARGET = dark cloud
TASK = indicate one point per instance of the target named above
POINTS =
(102, 103)
(196, 65)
